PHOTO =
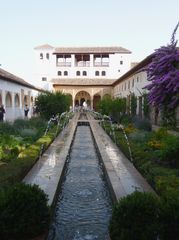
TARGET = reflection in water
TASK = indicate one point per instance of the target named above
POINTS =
(83, 207)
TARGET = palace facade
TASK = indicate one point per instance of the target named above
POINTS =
(86, 73)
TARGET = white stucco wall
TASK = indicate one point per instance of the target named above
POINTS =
(12, 108)
(47, 67)
(133, 84)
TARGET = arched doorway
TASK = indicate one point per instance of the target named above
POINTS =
(82, 97)
(25, 100)
(16, 100)
(96, 100)
(8, 100)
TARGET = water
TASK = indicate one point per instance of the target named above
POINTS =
(84, 206)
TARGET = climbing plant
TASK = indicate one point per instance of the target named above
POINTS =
(163, 73)
(145, 106)
(133, 103)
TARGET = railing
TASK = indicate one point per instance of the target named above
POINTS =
(101, 64)
(82, 64)
(65, 64)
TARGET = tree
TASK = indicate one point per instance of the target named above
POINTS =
(49, 103)
(133, 103)
(163, 72)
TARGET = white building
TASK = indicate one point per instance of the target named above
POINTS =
(86, 73)
(14, 94)
(133, 81)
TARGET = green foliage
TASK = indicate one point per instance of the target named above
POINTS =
(135, 217)
(115, 108)
(133, 103)
(139, 136)
(146, 107)
(52, 103)
(23, 212)
(15, 137)
(105, 105)
(168, 185)
(21, 123)
(142, 124)
(168, 117)
(10, 147)
(16, 170)
(169, 217)
(169, 153)
(7, 128)
(169, 147)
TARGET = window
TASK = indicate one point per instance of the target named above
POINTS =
(129, 85)
(65, 73)
(47, 56)
(64, 60)
(82, 60)
(97, 73)
(41, 55)
(125, 86)
(103, 73)
(101, 60)
(121, 62)
(133, 82)
(44, 79)
(77, 73)
(84, 73)
(59, 73)
(137, 79)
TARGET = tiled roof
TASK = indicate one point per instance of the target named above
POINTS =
(91, 50)
(12, 78)
(83, 82)
(45, 46)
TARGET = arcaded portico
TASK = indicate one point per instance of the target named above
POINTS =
(89, 92)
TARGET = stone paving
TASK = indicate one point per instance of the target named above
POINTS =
(47, 172)
(122, 177)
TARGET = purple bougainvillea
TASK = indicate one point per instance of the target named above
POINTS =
(163, 73)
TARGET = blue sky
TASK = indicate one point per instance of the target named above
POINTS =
(138, 25)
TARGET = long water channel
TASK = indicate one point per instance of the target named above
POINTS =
(84, 205)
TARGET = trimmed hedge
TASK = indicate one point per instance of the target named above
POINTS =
(135, 217)
(17, 169)
(24, 212)
(144, 216)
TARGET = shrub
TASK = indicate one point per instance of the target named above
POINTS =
(168, 184)
(7, 128)
(23, 212)
(48, 104)
(169, 217)
(28, 134)
(17, 169)
(142, 124)
(139, 136)
(130, 129)
(170, 151)
(135, 217)
(21, 123)
(160, 134)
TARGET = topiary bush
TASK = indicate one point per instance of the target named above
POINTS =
(169, 217)
(135, 217)
(23, 212)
